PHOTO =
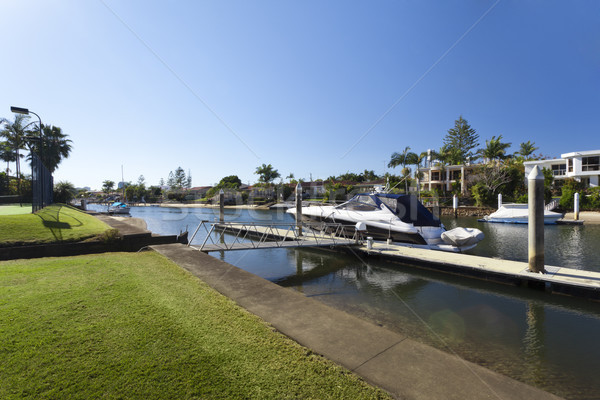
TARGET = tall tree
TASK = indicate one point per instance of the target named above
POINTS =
(108, 186)
(177, 179)
(461, 141)
(266, 173)
(526, 149)
(53, 148)
(7, 155)
(188, 180)
(495, 149)
(15, 134)
(405, 158)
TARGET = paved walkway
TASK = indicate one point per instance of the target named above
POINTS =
(588, 217)
(405, 368)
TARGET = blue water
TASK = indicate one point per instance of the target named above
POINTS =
(545, 340)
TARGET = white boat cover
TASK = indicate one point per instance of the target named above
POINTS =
(519, 213)
(462, 236)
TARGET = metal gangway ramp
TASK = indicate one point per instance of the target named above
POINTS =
(222, 236)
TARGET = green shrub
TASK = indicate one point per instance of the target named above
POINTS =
(482, 195)
(592, 200)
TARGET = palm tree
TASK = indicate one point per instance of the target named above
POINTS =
(495, 149)
(267, 173)
(419, 160)
(7, 155)
(527, 149)
(15, 134)
(54, 146)
(405, 158)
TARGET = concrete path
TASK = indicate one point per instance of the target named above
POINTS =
(588, 217)
(405, 368)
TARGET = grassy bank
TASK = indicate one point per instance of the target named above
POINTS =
(54, 223)
(138, 326)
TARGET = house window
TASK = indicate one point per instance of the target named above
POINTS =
(455, 175)
(559, 169)
(570, 164)
(590, 163)
(435, 175)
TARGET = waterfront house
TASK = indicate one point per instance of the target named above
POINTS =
(583, 166)
(442, 177)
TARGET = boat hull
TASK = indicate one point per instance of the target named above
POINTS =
(376, 233)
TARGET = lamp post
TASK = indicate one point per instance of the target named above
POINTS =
(26, 111)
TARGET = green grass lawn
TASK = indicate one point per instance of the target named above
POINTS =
(15, 209)
(135, 325)
(55, 223)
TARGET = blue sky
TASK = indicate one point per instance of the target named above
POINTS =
(313, 88)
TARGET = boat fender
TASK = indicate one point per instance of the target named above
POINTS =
(360, 226)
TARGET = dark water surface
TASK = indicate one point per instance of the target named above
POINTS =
(548, 341)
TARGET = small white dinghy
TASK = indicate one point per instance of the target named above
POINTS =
(462, 237)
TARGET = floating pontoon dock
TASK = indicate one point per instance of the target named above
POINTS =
(245, 236)
(559, 280)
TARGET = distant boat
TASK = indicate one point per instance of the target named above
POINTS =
(118, 208)
(518, 214)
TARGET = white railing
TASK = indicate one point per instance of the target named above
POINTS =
(552, 205)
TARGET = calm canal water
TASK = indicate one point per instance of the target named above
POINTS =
(547, 341)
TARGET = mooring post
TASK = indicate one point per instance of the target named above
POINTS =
(536, 220)
(221, 206)
(576, 207)
(455, 205)
(299, 208)
(499, 200)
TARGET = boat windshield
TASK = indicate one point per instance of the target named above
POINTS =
(359, 203)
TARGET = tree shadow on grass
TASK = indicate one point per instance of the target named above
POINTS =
(50, 217)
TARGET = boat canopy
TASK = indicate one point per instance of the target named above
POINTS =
(405, 206)
(118, 204)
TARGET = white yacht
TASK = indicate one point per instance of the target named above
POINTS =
(518, 214)
(397, 218)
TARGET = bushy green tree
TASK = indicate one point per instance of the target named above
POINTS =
(482, 194)
(569, 188)
(108, 186)
(64, 192)
(460, 142)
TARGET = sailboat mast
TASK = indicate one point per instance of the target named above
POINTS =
(123, 185)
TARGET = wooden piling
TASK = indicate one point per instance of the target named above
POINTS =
(299, 208)
(536, 220)
(221, 206)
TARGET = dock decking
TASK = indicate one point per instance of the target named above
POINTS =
(562, 280)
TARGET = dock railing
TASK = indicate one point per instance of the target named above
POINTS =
(253, 235)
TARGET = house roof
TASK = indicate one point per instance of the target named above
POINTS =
(581, 153)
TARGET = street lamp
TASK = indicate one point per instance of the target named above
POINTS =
(26, 111)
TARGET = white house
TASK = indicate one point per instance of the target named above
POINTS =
(583, 166)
